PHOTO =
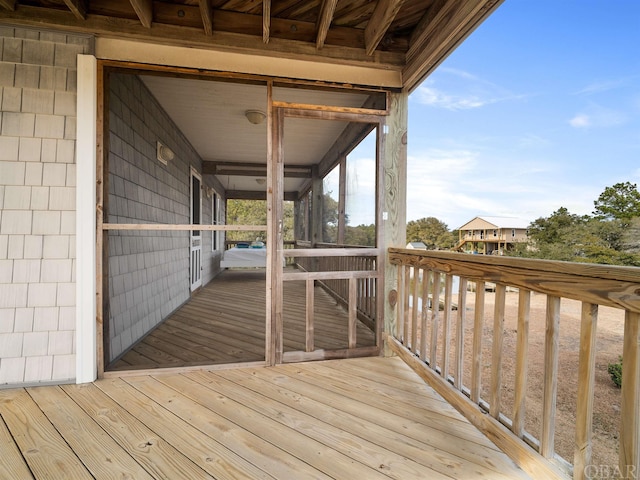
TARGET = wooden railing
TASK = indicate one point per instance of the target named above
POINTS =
(366, 288)
(434, 321)
(321, 263)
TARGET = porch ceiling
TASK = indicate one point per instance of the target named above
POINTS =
(410, 37)
(211, 114)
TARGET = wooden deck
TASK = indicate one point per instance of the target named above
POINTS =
(224, 322)
(363, 418)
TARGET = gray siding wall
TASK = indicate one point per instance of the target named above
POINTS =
(37, 204)
(148, 270)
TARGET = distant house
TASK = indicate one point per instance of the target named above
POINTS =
(491, 235)
(417, 245)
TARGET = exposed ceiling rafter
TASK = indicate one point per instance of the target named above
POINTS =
(144, 11)
(78, 8)
(266, 20)
(383, 15)
(206, 12)
(8, 4)
(324, 21)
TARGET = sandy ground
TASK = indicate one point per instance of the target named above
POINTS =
(606, 418)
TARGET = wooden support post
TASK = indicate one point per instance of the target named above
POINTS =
(630, 414)
(586, 382)
(342, 200)
(392, 196)
(316, 207)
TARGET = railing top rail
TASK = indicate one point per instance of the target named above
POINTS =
(332, 252)
(613, 286)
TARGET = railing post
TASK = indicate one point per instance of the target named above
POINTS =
(630, 412)
(586, 381)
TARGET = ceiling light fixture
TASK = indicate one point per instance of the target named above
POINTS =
(255, 116)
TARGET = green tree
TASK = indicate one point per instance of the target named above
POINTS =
(362, 235)
(254, 212)
(432, 232)
(619, 202)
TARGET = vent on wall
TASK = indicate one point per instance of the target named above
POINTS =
(163, 153)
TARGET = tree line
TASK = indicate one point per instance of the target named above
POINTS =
(610, 235)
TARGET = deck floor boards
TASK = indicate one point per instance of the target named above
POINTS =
(224, 322)
(331, 419)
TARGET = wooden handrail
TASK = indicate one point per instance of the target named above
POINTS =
(593, 285)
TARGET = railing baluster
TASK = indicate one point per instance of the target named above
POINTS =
(446, 326)
(550, 377)
(522, 360)
(586, 382)
(407, 290)
(353, 312)
(309, 339)
(630, 409)
(460, 327)
(400, 305)
(496, 354)
(414, 311)
(478, 318)
(424, 317)
(435, 319)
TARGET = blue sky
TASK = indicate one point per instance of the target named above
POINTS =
(538, 109)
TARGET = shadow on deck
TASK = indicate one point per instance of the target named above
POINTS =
(370, 418)
(224, 323)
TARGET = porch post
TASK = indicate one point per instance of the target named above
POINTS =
(342, 200)
(86, 308)
(316, 207)
(393, 231)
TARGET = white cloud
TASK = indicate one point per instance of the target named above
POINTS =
(580, 121)
(600, 86)
(598, 116)
(471, 91)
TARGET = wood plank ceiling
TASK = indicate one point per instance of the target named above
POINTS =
(413, 36)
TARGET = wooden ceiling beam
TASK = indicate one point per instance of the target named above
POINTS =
(256, 195)
(252, 169)
(206, 12)
(8, 4)
(144, 11)
(266, 20)
(233, 31)
(78, 8)
(325, 18)
(383, 15)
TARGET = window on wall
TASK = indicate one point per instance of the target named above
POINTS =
(217, 237)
